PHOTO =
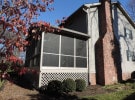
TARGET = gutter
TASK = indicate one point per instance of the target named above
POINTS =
(118, 4)
(66, 31)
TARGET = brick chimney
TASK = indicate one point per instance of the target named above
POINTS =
(106, 67)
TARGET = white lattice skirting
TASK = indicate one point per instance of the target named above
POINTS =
(46, 77)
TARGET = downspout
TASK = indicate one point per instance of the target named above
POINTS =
(87, 9)
(41, 58)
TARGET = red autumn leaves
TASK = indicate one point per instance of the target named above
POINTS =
(15, 19)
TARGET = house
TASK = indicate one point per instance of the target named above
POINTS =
(88, 47)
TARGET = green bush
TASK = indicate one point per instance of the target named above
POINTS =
(69, 85)
(42, 89)
(54, 87)
(80, 84)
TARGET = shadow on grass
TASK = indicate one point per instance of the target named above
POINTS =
(21, 81)
(130, 97)
(61, 97)
(128, 81)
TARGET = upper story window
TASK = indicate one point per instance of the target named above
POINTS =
(128, 33)
(130, 55)
(64, 51)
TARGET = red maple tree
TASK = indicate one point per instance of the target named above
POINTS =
(16, 17)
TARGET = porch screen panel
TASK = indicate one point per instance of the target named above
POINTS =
(80, 47)
(64, 51)
(67, 61)
(81, 62)
(50, 60)
(81, 53)
(51, 50)
(67, 45)
(51, 43)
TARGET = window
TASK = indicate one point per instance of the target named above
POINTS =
(130, 55)
(67, 45)
(133, 57)
(80, 48)
(50, 60)
(37, 60)
(37, 47)
(31, 63)
(51, 43)
(67, 61)
(51, 50)
(64, 51)
(128, 33)
(81, 62)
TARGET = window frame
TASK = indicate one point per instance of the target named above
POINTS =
(129, 34)
(60, 54)
(130, 55)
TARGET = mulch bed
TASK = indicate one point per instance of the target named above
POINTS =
(14, 92)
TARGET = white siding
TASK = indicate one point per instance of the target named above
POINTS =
(121, 22)
(93, 31)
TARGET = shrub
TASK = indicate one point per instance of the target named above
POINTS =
(80, 84)
(133, 75)
(69, 85)
(54, 87)
(42, 89)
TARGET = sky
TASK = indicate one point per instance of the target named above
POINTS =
(64, 8)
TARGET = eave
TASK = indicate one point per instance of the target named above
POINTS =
(73, 33)
(118, 4)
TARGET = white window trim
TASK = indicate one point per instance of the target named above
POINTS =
(129, 34)
(60, 67)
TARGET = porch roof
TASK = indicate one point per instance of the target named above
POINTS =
(66, 31)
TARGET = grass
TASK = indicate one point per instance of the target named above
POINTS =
(1, 83)
(120, 95)
(122, 92)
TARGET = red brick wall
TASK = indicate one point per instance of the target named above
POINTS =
(92, 79)
(126, 76)
(106, 63)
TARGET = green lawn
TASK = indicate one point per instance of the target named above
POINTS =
(120, 95)
(123, 92)
(1, 83)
